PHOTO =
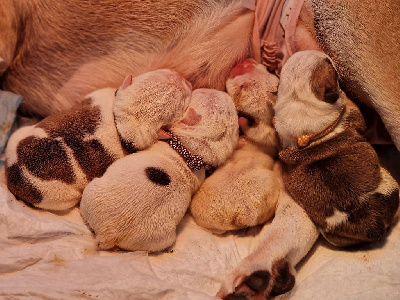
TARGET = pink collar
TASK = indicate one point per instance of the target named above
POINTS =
(274, 31)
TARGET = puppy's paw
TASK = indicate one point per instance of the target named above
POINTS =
(262, 284)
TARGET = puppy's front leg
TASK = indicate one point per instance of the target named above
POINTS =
(269, 270)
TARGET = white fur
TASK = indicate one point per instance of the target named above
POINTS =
(153, 100)
(297, 103)
(338, 217)
(244, 191)
(290, 236)
(127, 209)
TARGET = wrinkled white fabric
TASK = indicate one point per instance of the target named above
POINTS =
(53, 256)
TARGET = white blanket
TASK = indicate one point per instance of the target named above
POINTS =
(44, 255)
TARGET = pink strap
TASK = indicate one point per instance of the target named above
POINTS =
(273, 44)
(291, 26)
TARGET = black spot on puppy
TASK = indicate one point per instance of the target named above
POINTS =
(157, 176)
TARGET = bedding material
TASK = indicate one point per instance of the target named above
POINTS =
(45, 255)
(9, 104)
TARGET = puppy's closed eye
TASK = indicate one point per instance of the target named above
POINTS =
(331, 96)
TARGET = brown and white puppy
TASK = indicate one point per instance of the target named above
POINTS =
(54, 53)
(139, 201)
(334, 184)
(49, 164)
(244, 191)
(328, 167)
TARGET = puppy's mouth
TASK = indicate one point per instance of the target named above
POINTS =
(245, 122)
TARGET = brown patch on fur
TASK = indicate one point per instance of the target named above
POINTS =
(21, 188)
(258, 281)
(158, 176)
(91, 156)
(265, 284)
(368, 223)
(284, 280)
(238, 296)
(354, 119)
(73, 127)
(324, 82)
(80, 121)
(333, 176)
(45, 158)
(128, 146)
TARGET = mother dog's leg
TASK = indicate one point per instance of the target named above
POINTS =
(269, 269)
(362, 38)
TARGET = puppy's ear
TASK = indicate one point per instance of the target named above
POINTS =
(192, 118)
(325, 82)
(127, 82)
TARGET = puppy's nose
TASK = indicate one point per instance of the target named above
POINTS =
(245, 66)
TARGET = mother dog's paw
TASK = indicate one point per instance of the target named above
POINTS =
(264, 284)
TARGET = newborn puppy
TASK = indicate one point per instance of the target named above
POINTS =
(49, 164)
(328, 167)
(244, 191)
(141, 198)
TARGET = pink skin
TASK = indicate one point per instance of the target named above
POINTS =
(127, 82)
(245, 66)
(249, 66)
(191, 119)
(243, 124)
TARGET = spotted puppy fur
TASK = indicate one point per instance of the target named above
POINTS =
(329, 168)
(49, 164)
(244, 191)
(139, 201)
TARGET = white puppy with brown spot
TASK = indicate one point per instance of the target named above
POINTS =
(244, 191)
(139, 201)
(333, 179)
(49, 164)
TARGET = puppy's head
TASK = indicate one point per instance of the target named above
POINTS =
(309, 97)
(253, 90)
(210, 126)
(146, 103)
